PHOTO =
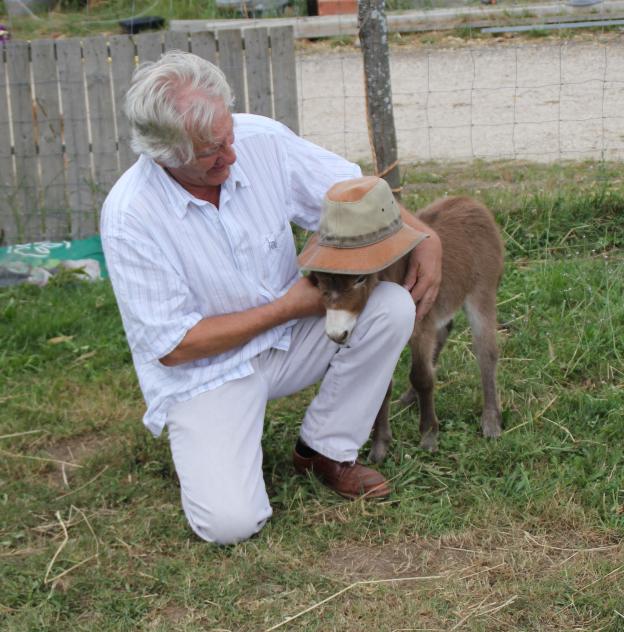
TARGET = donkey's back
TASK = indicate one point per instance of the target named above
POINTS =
(472, 253)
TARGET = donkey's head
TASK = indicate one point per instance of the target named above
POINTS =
(360, 234)
(344, 297)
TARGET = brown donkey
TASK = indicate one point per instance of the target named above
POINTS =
(472, 265)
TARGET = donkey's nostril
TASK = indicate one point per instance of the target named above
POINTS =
(339, 325)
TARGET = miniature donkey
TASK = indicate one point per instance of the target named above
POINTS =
(472, 265)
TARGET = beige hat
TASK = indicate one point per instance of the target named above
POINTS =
(361, 230)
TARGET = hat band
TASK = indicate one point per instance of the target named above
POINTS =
(361, 240)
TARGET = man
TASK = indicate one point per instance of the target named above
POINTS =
(202, 260)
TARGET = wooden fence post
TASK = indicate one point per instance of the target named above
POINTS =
(373, 32)
(9, 218)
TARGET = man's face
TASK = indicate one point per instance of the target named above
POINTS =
(212, 163)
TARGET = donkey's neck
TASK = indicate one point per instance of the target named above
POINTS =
(396, 271)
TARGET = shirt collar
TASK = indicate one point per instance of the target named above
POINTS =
(180, 199)
(238, 176)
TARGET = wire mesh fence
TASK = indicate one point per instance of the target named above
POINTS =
(549, 101)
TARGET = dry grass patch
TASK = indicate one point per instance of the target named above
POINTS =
(460, 37)
(100, 404)
(70, 452)
(171, 616)
(78, 449)
(514, 547)
(498, 579)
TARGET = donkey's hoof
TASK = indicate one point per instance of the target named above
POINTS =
(377, 454)
(491, 433)
(429, 442)
(491, 425)
(408, 398)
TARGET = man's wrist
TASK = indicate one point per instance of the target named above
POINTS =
(280, 310)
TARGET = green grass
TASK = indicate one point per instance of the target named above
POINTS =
(75, 19)
(523, 533)
(72, 20)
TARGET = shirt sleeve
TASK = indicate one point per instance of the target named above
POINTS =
(155, 302)
(312, 170)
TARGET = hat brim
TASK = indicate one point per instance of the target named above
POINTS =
(361, 260)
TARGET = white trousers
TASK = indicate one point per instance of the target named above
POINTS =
(215, 436)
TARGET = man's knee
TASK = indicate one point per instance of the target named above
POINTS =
(395, 306)
(229, 524)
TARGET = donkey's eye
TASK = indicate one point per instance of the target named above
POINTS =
(360, 280)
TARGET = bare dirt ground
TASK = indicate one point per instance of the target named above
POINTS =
(464, 98)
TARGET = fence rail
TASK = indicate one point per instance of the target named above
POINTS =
(63, 137)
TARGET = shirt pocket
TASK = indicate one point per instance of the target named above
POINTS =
(277, 252)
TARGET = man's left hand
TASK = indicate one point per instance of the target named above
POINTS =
(424, 273)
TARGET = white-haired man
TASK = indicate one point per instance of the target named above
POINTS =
(201, 255)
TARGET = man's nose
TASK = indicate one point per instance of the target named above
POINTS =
(228, 155)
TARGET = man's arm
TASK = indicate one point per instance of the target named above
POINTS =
(217, 334)
(424, 272)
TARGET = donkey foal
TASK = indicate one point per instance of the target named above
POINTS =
(472, 265)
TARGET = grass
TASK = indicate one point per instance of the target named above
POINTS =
(94, 17)
(523, 533)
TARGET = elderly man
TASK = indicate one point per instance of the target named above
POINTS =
(202, 259)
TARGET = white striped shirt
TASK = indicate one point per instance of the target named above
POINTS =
(174, 259)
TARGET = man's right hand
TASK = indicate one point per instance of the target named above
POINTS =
(216, 334)
(302, 299)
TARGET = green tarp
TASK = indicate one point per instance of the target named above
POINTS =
(39, 261)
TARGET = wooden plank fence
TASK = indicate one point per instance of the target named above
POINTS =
(64, 139)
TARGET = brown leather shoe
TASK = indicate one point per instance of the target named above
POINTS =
(351, 480)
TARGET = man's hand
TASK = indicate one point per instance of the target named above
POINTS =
(424, 271)
(216, 334)
(302, 299)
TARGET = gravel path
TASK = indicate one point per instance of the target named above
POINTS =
(537, 101)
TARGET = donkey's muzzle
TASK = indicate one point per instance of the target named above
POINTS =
(339, 324)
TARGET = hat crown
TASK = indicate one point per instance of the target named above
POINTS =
(358, 212)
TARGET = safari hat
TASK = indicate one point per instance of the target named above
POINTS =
(361, 230)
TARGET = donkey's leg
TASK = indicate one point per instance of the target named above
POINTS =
(481, 312)
(441, 337)
(410, 395)
(382, 433)
(422, 377)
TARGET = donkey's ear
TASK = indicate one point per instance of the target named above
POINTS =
(313, 279)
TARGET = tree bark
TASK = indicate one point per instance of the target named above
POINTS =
(373, 32)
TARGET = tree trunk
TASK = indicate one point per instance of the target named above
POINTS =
(373, 31)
